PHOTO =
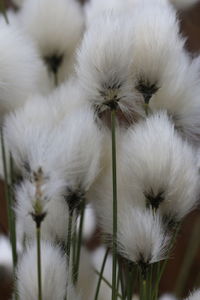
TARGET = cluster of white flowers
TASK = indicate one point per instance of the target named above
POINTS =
(63, 68)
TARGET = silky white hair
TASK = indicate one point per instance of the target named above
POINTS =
(53, 271)
(141, 235)
(194, 296)
(21, 71)
(104, 65)
(58, 38)
(161, 164)
(55, 223)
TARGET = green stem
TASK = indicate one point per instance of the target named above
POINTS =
(173, 240)
(39, 267)
(192, 249)
(79, 242)
(114, 177)
(101, 274)
(69, 237)
(109, 284)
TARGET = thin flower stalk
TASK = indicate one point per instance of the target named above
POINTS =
(101, 275)
(114, 178)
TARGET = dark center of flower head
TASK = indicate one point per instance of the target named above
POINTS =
(74, 199)
(110, 93)
(154, 200)
(53, 62)
(143, 264)
(147, 89)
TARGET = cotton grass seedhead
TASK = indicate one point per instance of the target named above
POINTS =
(158, 47)
(53, 206)
(104, 65)
(79, 141)
(54, 273)
(141, 236)
(162, 166)
(21, 71)
(57, 39)
(27, 133)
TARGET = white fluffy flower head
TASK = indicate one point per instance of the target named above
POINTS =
(162, 166)
(104, 64)
(54, 274)
(56, 27)
(141, 236)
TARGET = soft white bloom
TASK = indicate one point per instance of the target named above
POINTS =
(21, 71)
(54, 273)
(164, 75)
(141, 235)
(183, 4)
(56, 27)
(167, 297)
(95, 8)
(194, 296)
(161, 166)
(79, 143)
(104, 64)
(54, 225)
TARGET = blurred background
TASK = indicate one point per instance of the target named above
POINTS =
(190, 26)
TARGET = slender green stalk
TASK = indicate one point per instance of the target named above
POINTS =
(130, 281)
(144, 290)
(39, 267)
(69, 236)
(109, 284)
(192, 249)
(163, 267)
(79, 242)
(101, 275)
(114, 177)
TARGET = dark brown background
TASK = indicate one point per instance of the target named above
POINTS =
(190, 24)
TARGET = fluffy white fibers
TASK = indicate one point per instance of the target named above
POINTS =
(164, 74)
(104, 64)
(27, 132)
(141, 235)
(54, 225)
(95, 8)
(183, 4)
(79, 144)
(56, 27)
(194, 295)
(21, 71)
(161, 165)
(54, 273)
